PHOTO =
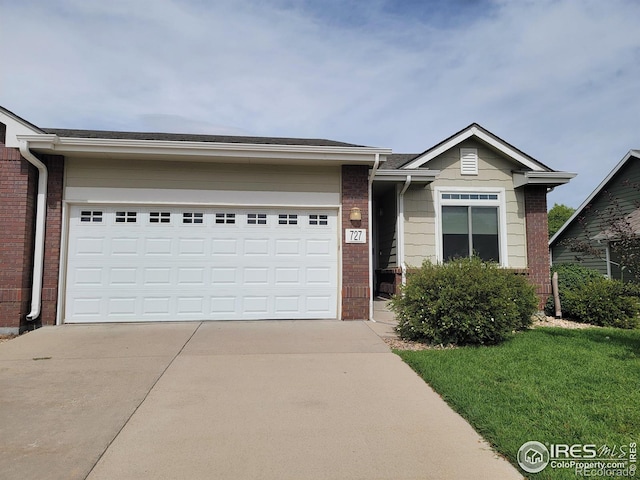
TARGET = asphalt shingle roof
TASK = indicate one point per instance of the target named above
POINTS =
(179, 137)
(397, 160)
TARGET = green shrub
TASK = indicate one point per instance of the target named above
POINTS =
(586, 296)
(571, 276)
(463, 302)
(603, 302)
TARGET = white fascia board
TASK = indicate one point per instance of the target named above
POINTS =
(490, 140)
(71, 146)
(550, 179)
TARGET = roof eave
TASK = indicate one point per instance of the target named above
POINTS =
(70, 146)
(397, 175)
(548, 179)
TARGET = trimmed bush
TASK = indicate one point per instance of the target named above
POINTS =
(603, 302)
(463, 302)
(588, 297)
(571, 277)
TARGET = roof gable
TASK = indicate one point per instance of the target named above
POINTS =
(15, 126)
(631, 154)
(477, 132)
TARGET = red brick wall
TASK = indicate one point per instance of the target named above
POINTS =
(55, 166)
(17, 214)
(355, 256)
(18, 187)
(535, 198)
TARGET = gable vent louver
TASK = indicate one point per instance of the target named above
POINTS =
(469, 161)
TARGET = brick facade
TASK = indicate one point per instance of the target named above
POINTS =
(355, 256)
(17, 210)
(55, 166)
(18, 187)
(535, 198)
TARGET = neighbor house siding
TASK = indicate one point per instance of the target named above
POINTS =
(494, 171)
(622, 190)
(137, 181)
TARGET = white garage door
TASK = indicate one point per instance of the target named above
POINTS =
(130, 263)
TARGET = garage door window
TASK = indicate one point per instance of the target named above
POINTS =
(318, 220)
(192, 217)
(125, 217)
(257, 219)
(287, 219)
(228, 218)
(91, 216)
(160, 217)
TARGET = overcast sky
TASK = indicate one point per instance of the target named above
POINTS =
(559, 79)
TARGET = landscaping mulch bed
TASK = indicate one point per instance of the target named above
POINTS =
(398, 344)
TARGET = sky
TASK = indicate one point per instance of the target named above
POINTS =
(558, 79)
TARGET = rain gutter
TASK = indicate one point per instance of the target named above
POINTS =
(41, 212)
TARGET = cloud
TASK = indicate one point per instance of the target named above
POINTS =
(558, 79)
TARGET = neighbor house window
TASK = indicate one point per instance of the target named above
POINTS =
(471, 225)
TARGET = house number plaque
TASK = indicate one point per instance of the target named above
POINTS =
(355, 235)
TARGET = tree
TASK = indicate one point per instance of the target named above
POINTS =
(558, 215)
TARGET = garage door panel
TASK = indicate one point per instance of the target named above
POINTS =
(173, 263)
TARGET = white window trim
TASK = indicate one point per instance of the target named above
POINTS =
(501, 203)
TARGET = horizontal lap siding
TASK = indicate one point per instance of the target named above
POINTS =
(493, 171)
(201, 176)
(623, 189)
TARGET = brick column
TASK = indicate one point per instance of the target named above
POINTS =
(18, 189)
(535, 199)
(17, 214)
(55, 167)
(355, 256)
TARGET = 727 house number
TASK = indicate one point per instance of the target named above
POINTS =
(355, 235)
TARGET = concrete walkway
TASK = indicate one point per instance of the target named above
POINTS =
(226, 400)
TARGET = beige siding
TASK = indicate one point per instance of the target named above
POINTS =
(102, 179)
(494, 171)
(419, 226)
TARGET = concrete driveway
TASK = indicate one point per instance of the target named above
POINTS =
(226, 400)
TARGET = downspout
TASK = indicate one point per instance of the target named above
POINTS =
(403, 265)
(41, 211)
(372, 174)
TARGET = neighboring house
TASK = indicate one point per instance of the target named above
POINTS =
(617, 198)
(103, 226)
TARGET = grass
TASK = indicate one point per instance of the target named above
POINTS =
(552, 385)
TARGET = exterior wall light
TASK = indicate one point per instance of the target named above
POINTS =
(355, 215)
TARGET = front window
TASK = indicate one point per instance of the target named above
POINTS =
(468, 231)
(471, 225)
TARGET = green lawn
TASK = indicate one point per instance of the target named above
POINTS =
(552, 385)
